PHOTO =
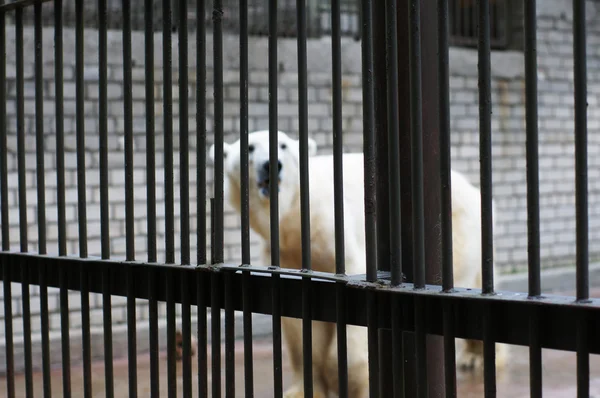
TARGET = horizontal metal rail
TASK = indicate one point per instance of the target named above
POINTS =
(558, 315)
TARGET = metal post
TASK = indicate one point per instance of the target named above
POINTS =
(431, 185)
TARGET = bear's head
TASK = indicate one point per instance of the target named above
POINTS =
(260, 184)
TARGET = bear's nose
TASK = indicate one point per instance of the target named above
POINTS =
(266, 166)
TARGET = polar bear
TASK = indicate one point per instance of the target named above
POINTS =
(466, 246)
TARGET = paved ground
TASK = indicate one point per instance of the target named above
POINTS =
(558, 373)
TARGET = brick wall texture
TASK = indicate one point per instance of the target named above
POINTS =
(556, 110)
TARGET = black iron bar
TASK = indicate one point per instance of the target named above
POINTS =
(485, 156)
(218, 124)
(201, 130)
(64, 331)
(128, 124)
(215, 325)
(215, 312)
(26, 316)
(229, 338)
(81, 197)
(3, 141)
(338, 139)
(418, 225)
(8, 331)
(533, 199)
(370, 169)
(45, 331)
(184, 150)
(338, 193)
(307, 360)
(581, 191)
(533, 194)
(186, 333)
(39, 131)
(153, 335)
(168, 132)
(202, 336)
(103, 126)
(581, 185)
(373, 344)
(131, 333)
(60, 133)
(150, 128)
(446, 199)
(274, 199)
(393, 143)
(397, 352)
(129, 199)
(171, 342)
(21, 131)
(201, 194)
(80, 129)
(245, 200)
(107, 327)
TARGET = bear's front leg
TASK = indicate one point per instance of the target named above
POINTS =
(322, 338)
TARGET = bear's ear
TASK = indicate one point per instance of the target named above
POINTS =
(211, 151)
(312, 147)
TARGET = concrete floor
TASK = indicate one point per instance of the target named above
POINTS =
(559, 377)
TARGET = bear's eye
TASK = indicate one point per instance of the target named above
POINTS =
(283, 146)
(250, 148)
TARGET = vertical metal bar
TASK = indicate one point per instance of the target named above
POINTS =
(60, 177)
(397, 357)
(60, 133)
(129, 200)
(64, 331)
(201, 129)
(171, 364)
(417, 190)
(370, 171)
(150, 129)
(580, 73)
(446, 199)
(128, 124)
(21, 131)
(485, 156)
(184, 151)
(304, 195)
(215, 311)
(104, 199)
(218, 111)
(245, 201)
(45, 331)
(3, 139)
(186, 332)
(153, 334)
(168, 134)
(393, 143)
(202, 337)
(581, 190)
(338, 193)
(229, 338)
(373, 344)
(25, 301)
(81, 196)
(533, 200)
(8, 329)
(274, 199)
(80, 129)
(103, 127)
(39, 130)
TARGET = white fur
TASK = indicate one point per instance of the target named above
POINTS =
(466, 247)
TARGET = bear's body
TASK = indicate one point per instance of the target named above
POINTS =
(466, 247)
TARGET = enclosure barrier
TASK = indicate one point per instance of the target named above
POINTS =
(405, 106)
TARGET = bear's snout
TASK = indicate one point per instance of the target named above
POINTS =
(264, 176)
